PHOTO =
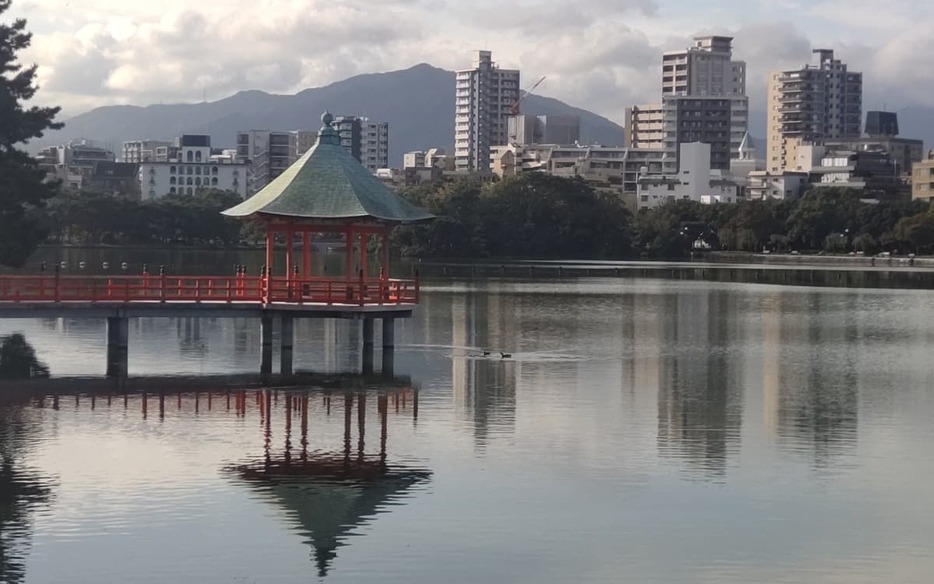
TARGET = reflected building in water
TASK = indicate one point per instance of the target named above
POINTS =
(484, 387)
(817, 351)
(700, 389)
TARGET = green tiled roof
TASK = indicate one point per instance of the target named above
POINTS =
(329, 183)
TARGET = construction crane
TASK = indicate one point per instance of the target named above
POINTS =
(514, 110)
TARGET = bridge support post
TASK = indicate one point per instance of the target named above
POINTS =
(389, 345)
(118, 333)
(368, 334)
(265, 333)
(286, 341)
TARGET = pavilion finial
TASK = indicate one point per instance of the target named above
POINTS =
(327, 134)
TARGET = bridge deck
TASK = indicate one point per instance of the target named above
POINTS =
(55, 295)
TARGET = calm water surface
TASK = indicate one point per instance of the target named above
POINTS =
(643, 431)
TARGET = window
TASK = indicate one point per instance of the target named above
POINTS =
(190, 170)
(172, 170)
(671, 186)
(172, 180)
(189, 156)
(198, 156)
(644, 198)
(214, 181)
(189, 180)
(190, 191)
(172, 190)
(198, 170)
(198, 181)
(214, 170)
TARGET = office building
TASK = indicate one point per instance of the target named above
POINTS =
(485, 96)
(146, 151)
(695, 181)
(366, 140)
(818, 103)
(922, 179)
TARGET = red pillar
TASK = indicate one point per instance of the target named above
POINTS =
(270, 247)
(306, 254)
(385, 250)
(363, 241)
(289, 248)
(348, 256)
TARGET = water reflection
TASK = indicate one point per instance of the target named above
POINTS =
(328, 492)
(818, 399)
(699, 388)
(22, 490)
(484, 386)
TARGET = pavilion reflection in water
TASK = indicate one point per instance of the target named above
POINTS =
(329, 492)
(326, 489)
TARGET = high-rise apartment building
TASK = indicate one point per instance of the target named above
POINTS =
(809, 106)
(366, 140)
(703, 100)
(707, 68)
(525, 130)
(270, 153)
(485, 96)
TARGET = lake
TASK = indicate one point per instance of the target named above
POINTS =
(642, 430)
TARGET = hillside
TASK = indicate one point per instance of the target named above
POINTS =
(418, 103)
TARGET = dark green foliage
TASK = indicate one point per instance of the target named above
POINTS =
(534, 215)
(18, 359)
(23, 191)
(93, 218)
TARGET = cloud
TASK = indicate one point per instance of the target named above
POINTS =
(602, 54)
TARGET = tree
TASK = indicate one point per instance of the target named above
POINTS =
(23, 189)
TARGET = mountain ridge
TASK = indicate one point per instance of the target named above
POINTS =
(418, 103)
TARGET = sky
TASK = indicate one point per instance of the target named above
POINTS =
(602, 55)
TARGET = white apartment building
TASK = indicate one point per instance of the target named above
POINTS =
(194, 169)
(485, 96)
(703, 100)
(695, 181)
(809, 106)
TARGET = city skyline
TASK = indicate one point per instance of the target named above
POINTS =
(600, 56)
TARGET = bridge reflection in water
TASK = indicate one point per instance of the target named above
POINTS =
(327, 490)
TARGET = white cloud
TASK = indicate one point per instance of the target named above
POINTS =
(602, 54)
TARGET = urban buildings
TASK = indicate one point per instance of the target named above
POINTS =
(485, 96)
(703, 100)
(269, 153)
(922, 178)
(818, 103)
(525, 130)
(147, 151)
(86, 166)
(195, 168)
(366, 140)
(695, 181)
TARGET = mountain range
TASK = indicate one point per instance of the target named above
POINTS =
(417, 102)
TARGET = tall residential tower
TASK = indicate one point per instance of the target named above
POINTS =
(809, 106)
(703, 100)
(485, 96)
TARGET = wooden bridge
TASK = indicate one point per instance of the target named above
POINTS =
(120, 298)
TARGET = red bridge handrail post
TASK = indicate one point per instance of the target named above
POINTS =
(58, 271)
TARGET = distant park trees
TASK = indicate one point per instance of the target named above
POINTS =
(23, 190)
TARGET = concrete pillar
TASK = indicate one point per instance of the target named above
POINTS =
(265, 333)
(287, 339)
(118, 333)
(389, 345)
(368, 342)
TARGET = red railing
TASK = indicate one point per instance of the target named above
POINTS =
(248, 289)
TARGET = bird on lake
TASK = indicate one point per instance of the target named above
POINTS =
(504, 355)
(486, 353)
